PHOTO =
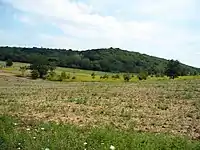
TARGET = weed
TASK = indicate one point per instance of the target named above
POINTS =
(78, 100)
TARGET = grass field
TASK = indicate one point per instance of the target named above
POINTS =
(137, 115)
(85, 75)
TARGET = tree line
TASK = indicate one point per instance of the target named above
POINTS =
(108, 60)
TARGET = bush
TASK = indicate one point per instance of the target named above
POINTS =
(105, 76)
(159, 75)
(116, 76)
(23, 70)
(51, 76)
(93, 75)
(68, 76)
(63, 76)
(142, 76)
(34, 74)
(127, 77)
(9, 63)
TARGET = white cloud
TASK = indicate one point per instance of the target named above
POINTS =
(162, 9)
(86, 25)
(25, 19)
(178, 9)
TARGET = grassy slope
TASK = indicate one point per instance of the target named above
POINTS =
(85, 75)
(81, 75)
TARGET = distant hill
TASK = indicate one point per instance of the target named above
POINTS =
(108, 60)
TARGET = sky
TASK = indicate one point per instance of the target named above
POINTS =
(164, 28)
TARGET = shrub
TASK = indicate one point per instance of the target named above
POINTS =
(116, 76)
(23, 70)
(9, 63)
(63, 76)
(105, 76)
(127, 77)
(74, 77)
(68, 76)
(34, 74)
(51, 75)
(142, 76)
(157, 75)
(93, 75)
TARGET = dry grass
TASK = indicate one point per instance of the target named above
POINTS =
(153, 106)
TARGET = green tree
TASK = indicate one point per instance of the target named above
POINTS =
(173, 69)
(127, 77)
(116, 76)
(23, 70)
(63, 76)
(34, 74)
(9, 63)
(42, 66)
(93, 75)
(52, 76)
(142, 75)
(107, 60)
(105, 76)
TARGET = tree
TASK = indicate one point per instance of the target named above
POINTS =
(63, 76)
(34, 74)
(23, 70)
(51, 76)
(93, 75)
(105, 76)
(116, 76)
(173, 69)
(108, 60)
(127, 77)
(142, 75)
(42, 66)
(9, 63)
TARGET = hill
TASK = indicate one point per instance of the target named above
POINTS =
(108, 60)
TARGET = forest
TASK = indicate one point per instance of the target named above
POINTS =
(107, 60)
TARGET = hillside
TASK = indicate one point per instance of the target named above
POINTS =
(108, 60)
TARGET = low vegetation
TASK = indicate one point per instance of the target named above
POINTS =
(17, 134)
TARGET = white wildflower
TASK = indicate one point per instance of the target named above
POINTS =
(28, 129)
(34, 137)
(85, 143)
(15, 124)
(19, 143)
(42, 128)
(18, 148)
(112, 147)
(46, 149)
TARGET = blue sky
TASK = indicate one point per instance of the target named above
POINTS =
(163, 28)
